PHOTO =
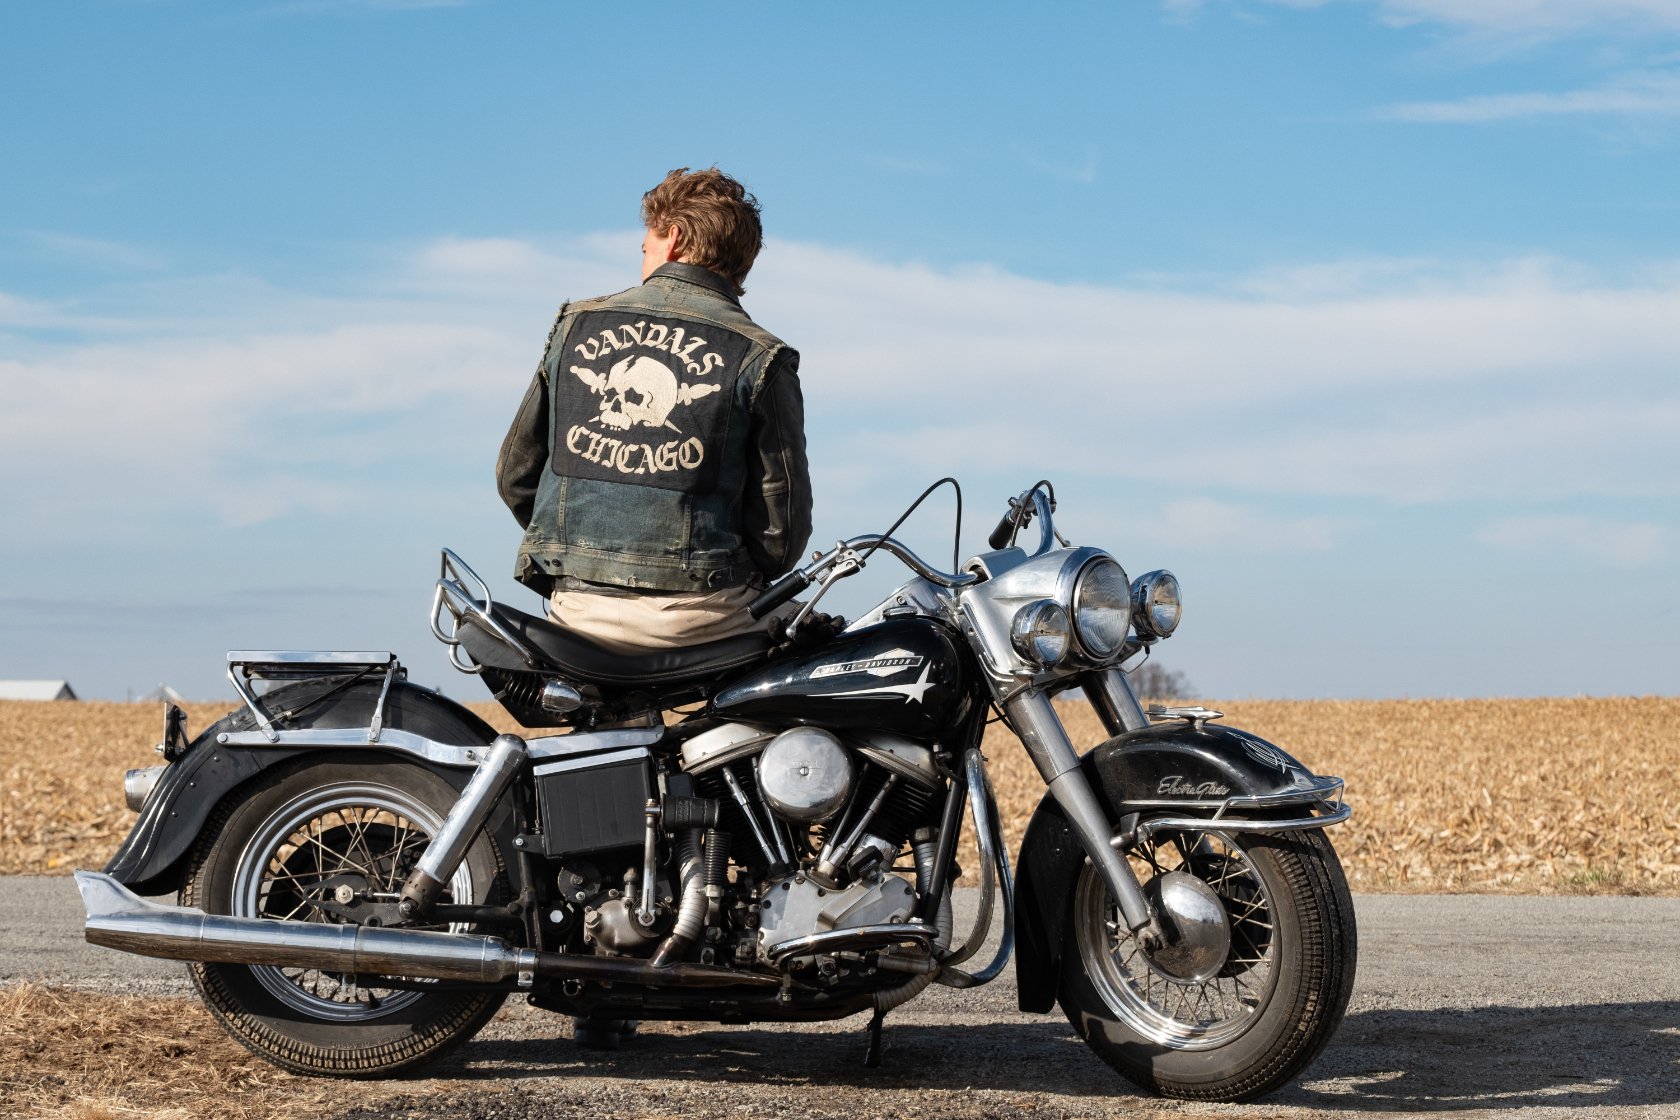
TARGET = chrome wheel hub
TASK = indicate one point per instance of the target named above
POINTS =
(1217, 968)
(1194, 923)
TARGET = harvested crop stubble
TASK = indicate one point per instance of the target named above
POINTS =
(1536, 796)
(1449, 795)
(78, 1056)
(61, 770)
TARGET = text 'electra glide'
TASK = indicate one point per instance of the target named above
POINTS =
(366, 869)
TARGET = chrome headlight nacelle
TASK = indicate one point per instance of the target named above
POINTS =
(1156, 605)
(1081, 618)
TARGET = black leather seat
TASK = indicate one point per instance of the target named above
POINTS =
(561, 652)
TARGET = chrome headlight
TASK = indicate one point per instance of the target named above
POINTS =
(1039, 632)
(1102, 608)
(1156, 607)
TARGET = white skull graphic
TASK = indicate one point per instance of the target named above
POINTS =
(638, 390)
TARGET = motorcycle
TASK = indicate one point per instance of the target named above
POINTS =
(758, 829)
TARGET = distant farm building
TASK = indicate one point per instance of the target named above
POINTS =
(161, 692)
(36, 690)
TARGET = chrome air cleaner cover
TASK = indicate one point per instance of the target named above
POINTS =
(805, 774)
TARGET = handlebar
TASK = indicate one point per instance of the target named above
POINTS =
(778, 593)
(1022, 510)
(1004, 531)
(848, 556)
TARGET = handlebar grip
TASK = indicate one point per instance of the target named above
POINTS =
(778, 593)
(1005, 529)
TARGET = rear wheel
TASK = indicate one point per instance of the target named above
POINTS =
(1252, 982)
(323, 833)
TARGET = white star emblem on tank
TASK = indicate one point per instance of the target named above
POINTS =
(912, 693)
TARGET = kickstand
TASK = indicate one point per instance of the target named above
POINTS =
(872, 1057)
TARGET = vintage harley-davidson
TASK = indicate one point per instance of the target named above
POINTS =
(752, 830)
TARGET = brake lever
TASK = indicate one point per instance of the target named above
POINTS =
(844, 564)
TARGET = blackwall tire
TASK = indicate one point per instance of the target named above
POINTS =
(312, 1022)
(1264, 1014)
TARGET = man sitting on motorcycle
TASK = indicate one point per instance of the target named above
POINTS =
(657, 462)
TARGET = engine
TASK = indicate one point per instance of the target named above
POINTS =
(815, 824)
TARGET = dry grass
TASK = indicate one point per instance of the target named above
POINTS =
(1545, 796)
(76, 1056)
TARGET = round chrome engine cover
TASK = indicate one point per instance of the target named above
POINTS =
(805, 774)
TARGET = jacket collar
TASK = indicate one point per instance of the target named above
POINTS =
(698, 276)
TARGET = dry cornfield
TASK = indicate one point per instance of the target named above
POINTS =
(1538, 796)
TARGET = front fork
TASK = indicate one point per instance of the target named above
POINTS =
(1035, 720)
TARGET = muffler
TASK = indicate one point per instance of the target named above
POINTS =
(117, 918)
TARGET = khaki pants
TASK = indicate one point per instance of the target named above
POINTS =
(640, 621)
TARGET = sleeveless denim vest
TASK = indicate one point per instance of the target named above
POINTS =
(651, 394)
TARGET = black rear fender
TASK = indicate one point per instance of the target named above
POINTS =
(152, 860)
(1168, 767)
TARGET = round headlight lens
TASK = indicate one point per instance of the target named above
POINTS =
(1040, 632)
(1102, 608)
(1156, 606)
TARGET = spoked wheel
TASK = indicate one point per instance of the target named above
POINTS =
(301, 849)
(1254, 976)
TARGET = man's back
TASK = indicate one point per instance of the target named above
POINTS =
(659, 453)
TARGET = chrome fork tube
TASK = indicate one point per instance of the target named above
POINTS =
(1035, 721)
(501, 763)
(1111, 695)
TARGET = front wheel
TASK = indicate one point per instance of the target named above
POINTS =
(1254, 976)
(323, 832)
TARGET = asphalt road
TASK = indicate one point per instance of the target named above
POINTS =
(1465, 1005)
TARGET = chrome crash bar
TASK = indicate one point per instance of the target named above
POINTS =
(1324, 792)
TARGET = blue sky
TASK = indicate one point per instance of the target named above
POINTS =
(1363, 316)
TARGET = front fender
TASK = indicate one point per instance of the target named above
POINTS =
(1172, 766)
(152, 858)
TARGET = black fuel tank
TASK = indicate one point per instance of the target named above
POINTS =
(903, 675)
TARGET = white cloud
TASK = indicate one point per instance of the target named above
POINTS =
(1622, 544)
(98, 252)
(1408, 384)
(1398, 381)
(1202, 523)
(1531, 16)
(1643, 95)
(989, 331)
(20, 311)
(1503, 18)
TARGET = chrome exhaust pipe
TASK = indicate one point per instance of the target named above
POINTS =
(117, 918)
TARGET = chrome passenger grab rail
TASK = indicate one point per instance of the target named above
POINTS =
(455, 598)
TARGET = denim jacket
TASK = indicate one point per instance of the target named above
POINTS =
(661, 445)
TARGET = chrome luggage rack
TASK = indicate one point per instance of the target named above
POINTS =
(461, 594)
(247, 666)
